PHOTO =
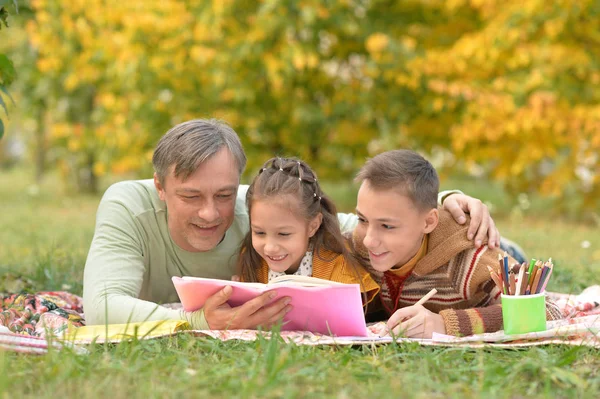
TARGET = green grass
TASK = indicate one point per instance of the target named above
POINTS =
(44, 237)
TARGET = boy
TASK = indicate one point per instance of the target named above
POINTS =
(410, 246)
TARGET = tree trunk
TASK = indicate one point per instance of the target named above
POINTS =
(43, 121)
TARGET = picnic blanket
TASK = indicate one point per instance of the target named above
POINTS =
(26, 319)
(36, 314)
(29, 321)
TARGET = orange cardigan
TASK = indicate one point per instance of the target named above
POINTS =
(333, 267)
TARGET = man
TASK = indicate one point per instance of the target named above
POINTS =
(189, 221)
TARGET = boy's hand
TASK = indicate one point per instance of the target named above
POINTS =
(416, 322)
(256, 312)
(482, 225)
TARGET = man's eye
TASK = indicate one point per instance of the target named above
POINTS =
(387, 226)
(224, 196)
(190, 196)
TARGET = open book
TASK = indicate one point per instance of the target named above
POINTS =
(322, 306)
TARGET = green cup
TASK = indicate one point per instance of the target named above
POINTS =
(524, 313)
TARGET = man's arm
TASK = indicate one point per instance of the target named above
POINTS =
(114, 271)
(482, 225)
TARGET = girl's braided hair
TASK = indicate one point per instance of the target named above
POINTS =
(290, 176)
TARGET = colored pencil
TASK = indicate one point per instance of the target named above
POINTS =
(546, 279)
(502, 275)
(524, 286)
(506, 267)
(536, 281)
(531, 264)
(513, 286)
(426, 297)
(517, 280)
(520, 282)
(496, 278)
(542, 278)
(532, 277)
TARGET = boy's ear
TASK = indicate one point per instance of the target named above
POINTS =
(159, 187)
(431, 220)
(314, 224)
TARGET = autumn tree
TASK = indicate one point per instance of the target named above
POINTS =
(521, 93)
(7, 69)
(508, 87)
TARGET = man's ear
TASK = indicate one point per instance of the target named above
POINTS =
(431, 220)
(159, 187)
(314, 224)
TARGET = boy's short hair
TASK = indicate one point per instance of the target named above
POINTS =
(404, 171)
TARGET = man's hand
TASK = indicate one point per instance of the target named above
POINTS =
(481, 225)
(256, 312)
(416, 322)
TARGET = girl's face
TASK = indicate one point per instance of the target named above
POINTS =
(280, 234)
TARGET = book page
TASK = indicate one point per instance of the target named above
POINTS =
(226, 282)
(303, 281)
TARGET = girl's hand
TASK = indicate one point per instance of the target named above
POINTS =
(416, 322)
(235, 277)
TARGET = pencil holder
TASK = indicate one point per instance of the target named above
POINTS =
(524, 313)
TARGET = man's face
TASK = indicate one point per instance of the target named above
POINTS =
(201, 208)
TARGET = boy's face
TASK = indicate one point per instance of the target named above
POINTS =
(390, 226)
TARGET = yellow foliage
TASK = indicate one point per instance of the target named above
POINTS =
(376, 43)
(298, 60)
(438, 104)
(71, 82)
(312, 60)
(507, 81)
(409, 42)
(74, 144)
(99, 168)
(59, 131)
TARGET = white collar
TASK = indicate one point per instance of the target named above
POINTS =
(305, 268)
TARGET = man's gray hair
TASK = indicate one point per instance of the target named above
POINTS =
(190, 143)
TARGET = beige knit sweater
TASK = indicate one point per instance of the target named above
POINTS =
(467, 298)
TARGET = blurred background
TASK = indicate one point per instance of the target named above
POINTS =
(502, 96)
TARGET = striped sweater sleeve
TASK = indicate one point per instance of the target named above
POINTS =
(472, 321)
(484, 320)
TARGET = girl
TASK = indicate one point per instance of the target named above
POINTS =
(294, 230)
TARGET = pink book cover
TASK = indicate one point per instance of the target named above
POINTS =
(332, 310)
